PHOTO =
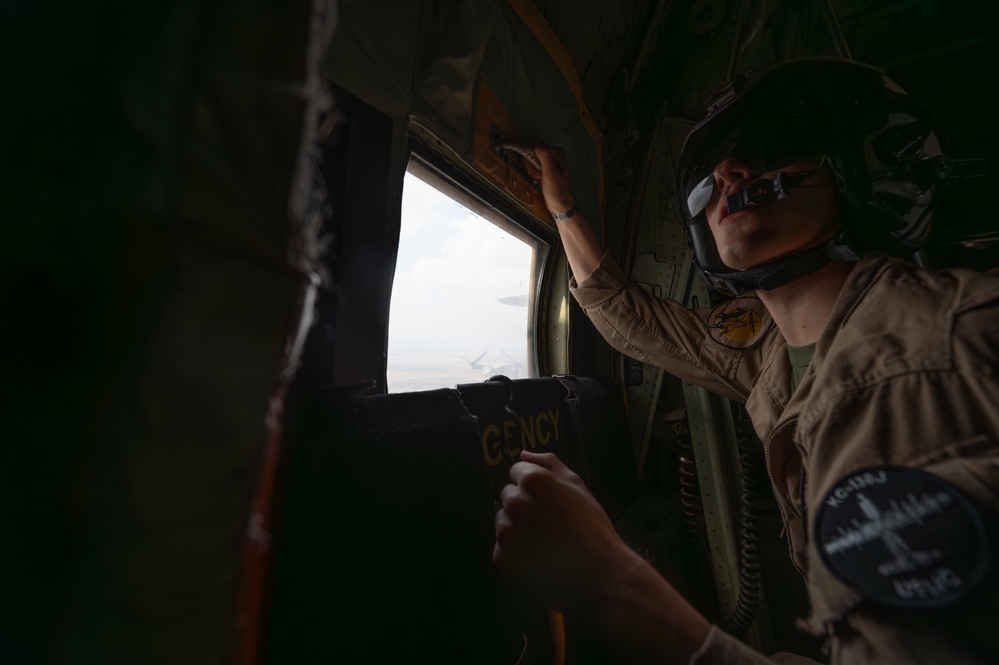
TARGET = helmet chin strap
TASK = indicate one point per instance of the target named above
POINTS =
(789, 268)
(781, 271)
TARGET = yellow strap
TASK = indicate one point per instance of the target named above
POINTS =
(557, 623)
(491, 116)
(528, 13)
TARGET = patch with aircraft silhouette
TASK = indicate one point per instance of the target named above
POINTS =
(740, 323)
(901, 536)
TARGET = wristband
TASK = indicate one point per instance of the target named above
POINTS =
(559, 216)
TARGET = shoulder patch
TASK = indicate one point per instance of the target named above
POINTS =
(901, 536)
(740, 323)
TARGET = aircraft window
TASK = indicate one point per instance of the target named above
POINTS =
(463, 294)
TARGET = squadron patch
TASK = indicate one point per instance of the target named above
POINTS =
(901, 536)
(739, 323)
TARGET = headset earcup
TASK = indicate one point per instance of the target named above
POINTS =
(703, 243)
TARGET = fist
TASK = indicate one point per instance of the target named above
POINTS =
(553, 176)
(551, 534)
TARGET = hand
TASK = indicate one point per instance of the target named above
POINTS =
(552, 535)
(553, 176)
(554, 538)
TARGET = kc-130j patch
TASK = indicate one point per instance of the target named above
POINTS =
(740, 323)
(901, 536)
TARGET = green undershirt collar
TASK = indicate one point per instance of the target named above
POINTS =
(799, 356)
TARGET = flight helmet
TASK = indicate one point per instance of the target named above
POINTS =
(881, 148)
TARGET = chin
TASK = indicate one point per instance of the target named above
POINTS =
(742, 261)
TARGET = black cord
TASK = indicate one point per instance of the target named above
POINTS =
(748, 603)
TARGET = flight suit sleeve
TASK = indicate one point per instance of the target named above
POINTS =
(924, 589)
(720, 648)
(663, 333)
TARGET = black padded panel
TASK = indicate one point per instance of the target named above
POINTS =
(386, 532)
(600, 447)
(386, 539)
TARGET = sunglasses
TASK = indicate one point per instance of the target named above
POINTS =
(761, 151)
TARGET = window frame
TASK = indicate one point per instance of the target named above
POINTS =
(459, 184)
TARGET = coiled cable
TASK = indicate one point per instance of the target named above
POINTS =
(690, 509)
(748, 603)
(688, 487)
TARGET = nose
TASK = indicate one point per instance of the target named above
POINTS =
(730, 172)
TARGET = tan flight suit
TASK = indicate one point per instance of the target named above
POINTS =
(906, 373)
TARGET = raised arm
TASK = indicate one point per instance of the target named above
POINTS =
(659, 332)
(582, 247)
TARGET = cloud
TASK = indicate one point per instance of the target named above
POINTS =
(452, 269)
(424, 206)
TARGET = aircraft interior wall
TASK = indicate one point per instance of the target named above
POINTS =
(202, 207)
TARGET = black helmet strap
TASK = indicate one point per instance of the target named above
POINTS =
(789, 268)
(781, 271)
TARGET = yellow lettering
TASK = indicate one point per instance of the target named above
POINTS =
(491, 449)
(527, 433)
(543, 437)
(534, 430)
(508, 426)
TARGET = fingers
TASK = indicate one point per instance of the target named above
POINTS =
(518, 521)
(504, 540)
(511, 498)
(531, 465)
(546, 460)
(552, 537)
(542, 151)
(551, 157)
(553, 176)
(514, 521)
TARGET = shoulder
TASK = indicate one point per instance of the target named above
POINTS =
(895, 319)
(951, 308)
(974, 318)
(954, 290)
(914, 310)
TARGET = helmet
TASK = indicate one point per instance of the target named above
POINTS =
(882, 149)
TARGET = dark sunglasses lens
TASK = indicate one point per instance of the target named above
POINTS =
(756, 153)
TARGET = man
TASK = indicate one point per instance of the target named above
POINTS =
(882, 454)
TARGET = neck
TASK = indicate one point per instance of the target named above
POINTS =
(801, 308)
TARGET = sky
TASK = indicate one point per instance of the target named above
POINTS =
(453, 267)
